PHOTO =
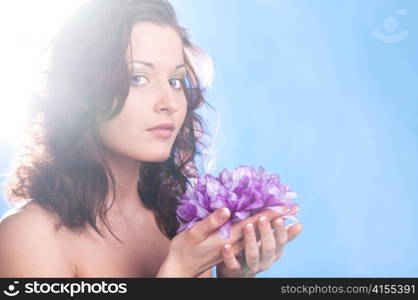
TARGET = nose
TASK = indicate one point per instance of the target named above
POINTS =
(167, 100)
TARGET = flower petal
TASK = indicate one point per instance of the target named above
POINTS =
(245, 190)
(241, 215)
(224, 230)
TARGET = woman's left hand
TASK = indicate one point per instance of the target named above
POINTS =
(258, 258)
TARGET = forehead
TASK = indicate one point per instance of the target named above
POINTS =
(159, 44)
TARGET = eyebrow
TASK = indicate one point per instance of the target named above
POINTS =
(152, 66)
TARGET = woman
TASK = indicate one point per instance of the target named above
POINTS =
(100, 182)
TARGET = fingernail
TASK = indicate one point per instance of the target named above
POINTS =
(284, 211)
(281, 209)
(263, 220)
(224, 213)
(227, 248)
(249, 227)
(278, 221)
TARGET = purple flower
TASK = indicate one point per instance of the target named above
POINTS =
(245, 190)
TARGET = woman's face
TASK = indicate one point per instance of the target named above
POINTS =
(155, 97)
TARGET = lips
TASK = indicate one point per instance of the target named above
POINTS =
(163, 130)
(165, 126)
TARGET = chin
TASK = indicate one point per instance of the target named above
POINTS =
(157, 158)
(160, 160)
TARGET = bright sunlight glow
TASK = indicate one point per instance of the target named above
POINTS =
(26, 28)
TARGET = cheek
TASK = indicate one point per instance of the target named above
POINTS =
(121, 131)
(109, 134)
(127, 132)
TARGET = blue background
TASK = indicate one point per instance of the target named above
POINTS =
(306, 90)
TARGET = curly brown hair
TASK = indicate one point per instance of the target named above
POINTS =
(86, 83)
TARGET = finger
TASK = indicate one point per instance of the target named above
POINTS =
(280, 234)
(293, 210)
(282, 210)
(238, 247)
(237, 229)
(200, 231)
(293, 231)
(230, 260)
(251, 248)
(268, 242)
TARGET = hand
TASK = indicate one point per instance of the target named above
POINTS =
(193, 251)
(259, 255)
(199, 248)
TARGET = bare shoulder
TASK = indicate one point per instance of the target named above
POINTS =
(28, 219)
(29, 245)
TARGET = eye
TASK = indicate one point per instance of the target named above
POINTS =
(178, 83)
(136, 79)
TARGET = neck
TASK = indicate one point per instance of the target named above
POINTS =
(125, 172)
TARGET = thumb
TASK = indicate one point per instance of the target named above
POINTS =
(201, 230)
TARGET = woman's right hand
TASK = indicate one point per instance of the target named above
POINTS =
(199, 248)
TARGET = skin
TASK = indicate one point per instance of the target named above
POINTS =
(155, 97)
(264, 244)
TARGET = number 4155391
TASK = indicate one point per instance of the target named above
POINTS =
(394, 289)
